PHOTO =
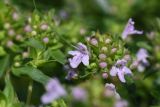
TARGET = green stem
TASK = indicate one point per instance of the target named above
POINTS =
(29, 95)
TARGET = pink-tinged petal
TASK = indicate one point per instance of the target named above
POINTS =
(113, 71)
(73, 53)
(121, 77)
(76, 60)
(85, 60)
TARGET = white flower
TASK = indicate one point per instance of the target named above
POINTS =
(79, 55)
(120, 69)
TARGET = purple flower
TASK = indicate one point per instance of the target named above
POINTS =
(54, 91)
(71, 73)
(120, 69)
(130, 30)
(121, 103)
(110, 91)
(141, 62)
(79, 55)
(79, 94)
(142, 55)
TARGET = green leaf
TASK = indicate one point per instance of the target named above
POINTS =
(4, 62)
(2, 51)
(32, 72)
(144, 45)
(10, 94)
(3, 100)
(35, 44)
(58, 56)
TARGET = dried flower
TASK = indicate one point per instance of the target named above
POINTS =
(79, 55)
(120, 69)
(54, 91)
(130, 30)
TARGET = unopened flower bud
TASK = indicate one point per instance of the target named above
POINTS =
(7, 25)
(82, 31)
(25, 54)
(102, 56)
(87, 39)
(94, 41)
(11, 32)
(102, 64)
(93, 65)
(127, 57)
(104, 75)
(104, 49)
(9, 43)
(107, 41)
(18, 37)
(15, 16)
(45, 39)
(27, 28)
(29, 19)
(16, 64)
(114, 50)
(44, 27)
(35, 26)
(34, 33)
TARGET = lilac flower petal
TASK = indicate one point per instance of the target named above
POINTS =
(113, 71)
(126, 70)
(80, 55)
(48, 97)
(85, 60)
(121, 76)
(54, 91)
(73, 53)
(129, 29)
(142, 54)
(76, 60)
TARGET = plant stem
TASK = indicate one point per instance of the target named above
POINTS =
(29, 95)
